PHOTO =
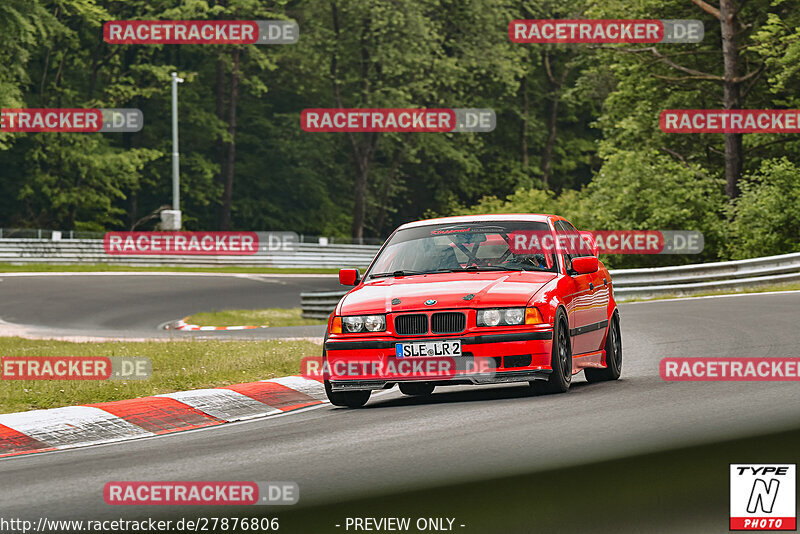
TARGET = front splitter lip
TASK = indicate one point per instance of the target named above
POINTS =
(504, 377)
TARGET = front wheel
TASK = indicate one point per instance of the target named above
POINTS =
(561, 361)
(351, 399)
(613, 355)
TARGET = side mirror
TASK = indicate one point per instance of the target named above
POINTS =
(585, 264)
(349, 277)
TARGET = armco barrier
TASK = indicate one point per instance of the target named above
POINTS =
(703, 277)
(650, 283)
(628, 283)
(320, 304)
(74, 251)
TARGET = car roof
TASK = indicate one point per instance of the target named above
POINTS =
(466, 219)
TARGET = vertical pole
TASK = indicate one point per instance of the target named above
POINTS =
(176, 202)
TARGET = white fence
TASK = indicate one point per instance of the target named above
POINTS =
(650, 283)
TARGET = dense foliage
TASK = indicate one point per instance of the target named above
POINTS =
(577, 125)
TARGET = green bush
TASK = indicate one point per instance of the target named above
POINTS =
(646, 190)
(765, 217)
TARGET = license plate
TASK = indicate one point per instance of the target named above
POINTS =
(428, 349)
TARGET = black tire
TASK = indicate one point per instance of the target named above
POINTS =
(561, 360)
(351, 399)
(416, 389)
(613, 355)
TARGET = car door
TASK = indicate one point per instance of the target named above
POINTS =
(593, 303)
(577, 300)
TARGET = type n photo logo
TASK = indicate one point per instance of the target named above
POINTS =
(763, 497)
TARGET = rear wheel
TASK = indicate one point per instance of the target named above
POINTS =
(351, 399)
(417, 389)
(561, 361)
(613, 355)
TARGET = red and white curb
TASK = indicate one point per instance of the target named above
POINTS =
(183, 325)
(107, 422)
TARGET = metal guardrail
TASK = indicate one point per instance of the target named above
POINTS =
(74, 251)
(649, 283)
(628, 283)
(703, 277)
(320, 304)
(41, 233)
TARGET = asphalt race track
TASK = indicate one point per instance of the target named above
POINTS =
(136, 305)
(461, 434)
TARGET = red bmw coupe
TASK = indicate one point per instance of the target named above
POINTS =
(525, 293)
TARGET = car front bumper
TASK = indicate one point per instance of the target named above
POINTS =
(517, 356)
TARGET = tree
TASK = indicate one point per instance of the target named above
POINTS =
(403, 54)
(765, 218)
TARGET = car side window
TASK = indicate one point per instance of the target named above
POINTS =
(581, 252)
(571, 234)
(561, 231)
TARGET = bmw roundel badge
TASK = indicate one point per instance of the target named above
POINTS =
(430, 302)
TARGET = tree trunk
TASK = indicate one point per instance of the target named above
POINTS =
(523, 129)
(360, 203)
(133, 207)
(362, 152)
(731, 96)
(383, 209)
(363, 155)
(552, 132)
(227, 196)
(552, 118)
(220, 110)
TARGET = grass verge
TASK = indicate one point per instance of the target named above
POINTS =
(266, 317)
(177, 366)
(105, 267)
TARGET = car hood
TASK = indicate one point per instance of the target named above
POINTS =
(448, 290)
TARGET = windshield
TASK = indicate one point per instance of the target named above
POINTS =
(463, 247)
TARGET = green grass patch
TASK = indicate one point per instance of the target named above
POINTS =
(105, 267)
(267, 317)
(177, 366)
(795, 286)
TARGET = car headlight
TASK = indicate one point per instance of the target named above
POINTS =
(375, 323)
(515, 315)
(364, 323)
(489, 317)
(353, 324)
(501, 317)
